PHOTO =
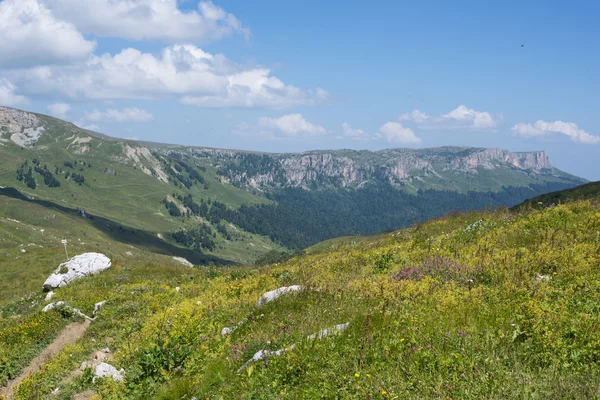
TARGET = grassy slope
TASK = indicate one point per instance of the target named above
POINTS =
(431, 333)
(130, 197)
(587, 191)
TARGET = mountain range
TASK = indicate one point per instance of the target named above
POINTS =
(234, 206)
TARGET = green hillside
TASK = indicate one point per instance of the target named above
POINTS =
(237, 206)
(479, 305)
(587, 191)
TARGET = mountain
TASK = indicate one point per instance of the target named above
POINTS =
(490, 305)
(238, 205)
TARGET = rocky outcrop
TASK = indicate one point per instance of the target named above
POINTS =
(105, 370)
(277, 293)
(348, 168)
(23, 128)
(77, 267)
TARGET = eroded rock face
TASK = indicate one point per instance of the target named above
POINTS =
(22, 127)
(77, 267)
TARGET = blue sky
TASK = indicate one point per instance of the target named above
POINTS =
(292, 76)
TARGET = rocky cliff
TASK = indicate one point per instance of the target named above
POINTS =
(346, 168)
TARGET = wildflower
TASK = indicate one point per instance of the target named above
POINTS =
(357, 375)
(383, 392)
(177, 289)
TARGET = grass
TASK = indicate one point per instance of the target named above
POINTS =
(453, 308)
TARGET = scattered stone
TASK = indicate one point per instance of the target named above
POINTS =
(23, 251)
(277, 293)
(49, 296)
(106, 370)
(65, 306)
(77, 267)
(543, 278)
(97, 307)
(229, 331)
(129, 253)
(226, 331)
(329, 331)
(183, 261)
(262, 354)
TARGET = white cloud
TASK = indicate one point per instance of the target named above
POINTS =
(148, 19)
(59, 110)
(8, 96)
(356, 134)
(186, 71)
(544, 128)
(126, 115)
(291, 125)
(394, 132)
(459, 118)
(31, 35)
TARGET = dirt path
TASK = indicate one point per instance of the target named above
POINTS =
(69, 335)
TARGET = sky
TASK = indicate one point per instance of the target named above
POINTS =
(288, 76)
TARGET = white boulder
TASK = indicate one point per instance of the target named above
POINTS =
(106, 370)
(49, 296)
(77, 267)
(183, 261)
(277, 293)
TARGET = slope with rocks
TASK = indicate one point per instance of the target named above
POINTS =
(479, 305)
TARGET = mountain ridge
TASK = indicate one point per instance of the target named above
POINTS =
(241, 204)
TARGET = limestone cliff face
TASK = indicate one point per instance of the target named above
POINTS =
(493, 158)
(20, 127)
(346, 168)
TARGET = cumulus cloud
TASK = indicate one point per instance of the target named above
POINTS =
(395, 133)
(126, 115)
(59, 110)
(291, 125)
(544, 128)
(148, 19)
(186, 71)
(32, 35)
(356, 134)
(8, 96)
(461, 117)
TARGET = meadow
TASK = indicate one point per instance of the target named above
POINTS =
(480, 305)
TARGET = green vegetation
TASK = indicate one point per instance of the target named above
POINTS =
(480, 305)
(587, 191)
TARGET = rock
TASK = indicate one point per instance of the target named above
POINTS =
(277, 293)
(63, 305)
(262, 354)
(104, 370)
(329, 331)
(183, 261)
(129, 253)
(97, 307)
(23, 251)
(226, 331)
(543, 278)
(49, 296)
(77, 267)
